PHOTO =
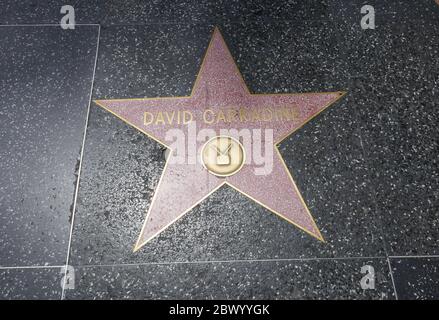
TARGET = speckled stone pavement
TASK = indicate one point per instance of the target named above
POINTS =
(76, 181)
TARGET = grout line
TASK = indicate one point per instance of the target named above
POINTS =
(393, 280)
(377, 217)
(376, 209)
(225, 261)
(46, 25)
(31, 267)
(412, 257)
(80, 164)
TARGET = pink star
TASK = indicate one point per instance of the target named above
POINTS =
(219, 86)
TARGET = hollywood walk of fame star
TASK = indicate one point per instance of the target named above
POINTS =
(219, 86)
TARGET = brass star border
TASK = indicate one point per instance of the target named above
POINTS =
(128, 109)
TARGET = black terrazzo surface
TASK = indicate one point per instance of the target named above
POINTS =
(46, 79)
(111, 12)
(325, 279)
(30, 284)
(367, 166)
(416, 278)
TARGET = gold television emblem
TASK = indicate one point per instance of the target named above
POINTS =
(223, 156)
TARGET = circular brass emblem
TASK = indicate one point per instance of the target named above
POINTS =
(223, 156)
